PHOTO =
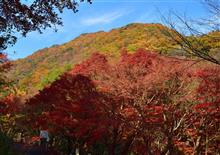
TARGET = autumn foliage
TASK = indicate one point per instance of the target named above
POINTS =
(5, 98)
(143, 104)
(4, 68)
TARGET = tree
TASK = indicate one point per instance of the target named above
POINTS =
(8, 107)
(197, 37)
(67, 108)
(9, 103)
(118, 107)
(145, 86)
(201, 131)
(201, 128)
(4, 82)
(18, 16)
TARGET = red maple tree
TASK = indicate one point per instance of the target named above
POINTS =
(142, 104)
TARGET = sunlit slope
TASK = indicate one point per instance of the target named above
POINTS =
(44, 66)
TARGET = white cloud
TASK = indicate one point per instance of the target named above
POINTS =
(103, 19)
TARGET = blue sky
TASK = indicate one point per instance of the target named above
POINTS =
(103, 15)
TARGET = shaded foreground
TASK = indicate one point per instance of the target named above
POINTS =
(20, 148)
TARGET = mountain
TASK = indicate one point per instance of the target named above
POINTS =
(44, 66)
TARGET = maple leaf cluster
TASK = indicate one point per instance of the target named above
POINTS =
(4, 84)
(143, 104)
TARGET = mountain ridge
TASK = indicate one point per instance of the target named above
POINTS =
(44, 66)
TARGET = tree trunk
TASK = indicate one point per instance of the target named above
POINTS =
(206, 144)
(69, 145)
(169, 147)
(147, 144)
(77, 151)
(127, 145)
(112, 147)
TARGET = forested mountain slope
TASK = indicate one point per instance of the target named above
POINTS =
(44, 66)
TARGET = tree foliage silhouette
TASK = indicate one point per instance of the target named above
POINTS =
(20, 17)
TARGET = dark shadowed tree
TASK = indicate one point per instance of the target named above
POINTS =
(17, 16)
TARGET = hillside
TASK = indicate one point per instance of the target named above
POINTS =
(44, 66)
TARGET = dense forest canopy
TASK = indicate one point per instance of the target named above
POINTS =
(144, 104)
(44, 66)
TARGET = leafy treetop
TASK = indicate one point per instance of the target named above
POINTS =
(17, 16)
